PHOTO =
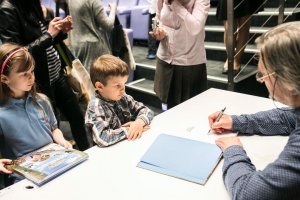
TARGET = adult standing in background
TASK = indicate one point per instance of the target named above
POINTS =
(181, 64)
(243, 9)
(279, 69)
(22, 22)
(89, 38)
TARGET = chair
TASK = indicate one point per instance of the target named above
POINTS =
(140, 20)
(124, 11)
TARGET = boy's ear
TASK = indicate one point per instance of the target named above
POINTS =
(4, 79)
(99, 86)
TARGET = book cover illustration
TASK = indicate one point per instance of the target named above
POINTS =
(46, 163)
(182, 158)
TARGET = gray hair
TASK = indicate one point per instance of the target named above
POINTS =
(280, 48)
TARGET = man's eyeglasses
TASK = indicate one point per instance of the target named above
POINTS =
(260, 77)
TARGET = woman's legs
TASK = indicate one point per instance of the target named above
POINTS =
(241, 36)
(226, 41)
(242, 39)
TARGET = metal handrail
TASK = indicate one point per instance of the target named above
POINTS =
(230, 39)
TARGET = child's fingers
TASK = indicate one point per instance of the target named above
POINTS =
(140, 135)
(126, 124)
(6, 171)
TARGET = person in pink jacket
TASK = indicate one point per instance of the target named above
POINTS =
(181, 64)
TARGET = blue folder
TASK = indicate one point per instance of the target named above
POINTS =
(182, 158)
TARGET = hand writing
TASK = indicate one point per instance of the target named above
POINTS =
(224, 124)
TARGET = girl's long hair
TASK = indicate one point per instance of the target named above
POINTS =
(22, 61)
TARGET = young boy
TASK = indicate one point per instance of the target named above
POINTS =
(113, 115)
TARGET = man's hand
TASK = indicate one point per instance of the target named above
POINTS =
(226, 142)
(224, 124)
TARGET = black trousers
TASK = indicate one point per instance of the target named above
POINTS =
(62, 97)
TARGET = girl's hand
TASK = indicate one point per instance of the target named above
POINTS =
(4, 162)
(66, 144)
(224, 124)
(58, 137)
(226, 142)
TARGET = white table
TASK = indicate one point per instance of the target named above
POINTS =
(111, 173)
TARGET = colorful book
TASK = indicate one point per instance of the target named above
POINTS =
(182, 158)
(46, 163)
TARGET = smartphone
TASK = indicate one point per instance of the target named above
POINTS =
(154, 24)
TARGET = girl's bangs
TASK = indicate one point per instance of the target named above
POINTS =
(25, 61)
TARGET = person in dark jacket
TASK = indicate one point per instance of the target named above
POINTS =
(22, 22)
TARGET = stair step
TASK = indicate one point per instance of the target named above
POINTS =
(275, 11)
(266, 18)
(142, 85)
(265, 12)
(216, 28)
(221, 47)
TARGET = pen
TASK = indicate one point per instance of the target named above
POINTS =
(218, 117)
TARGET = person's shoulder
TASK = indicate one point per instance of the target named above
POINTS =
(6, 105)
(6, 110)
(95, 5)
(95, 103)
(3, 108)
(43, 99)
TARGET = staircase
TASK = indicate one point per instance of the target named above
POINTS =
(142, 86)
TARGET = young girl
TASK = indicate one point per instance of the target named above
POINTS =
(27, 121)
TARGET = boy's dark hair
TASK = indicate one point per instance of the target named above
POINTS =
(107, 66)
